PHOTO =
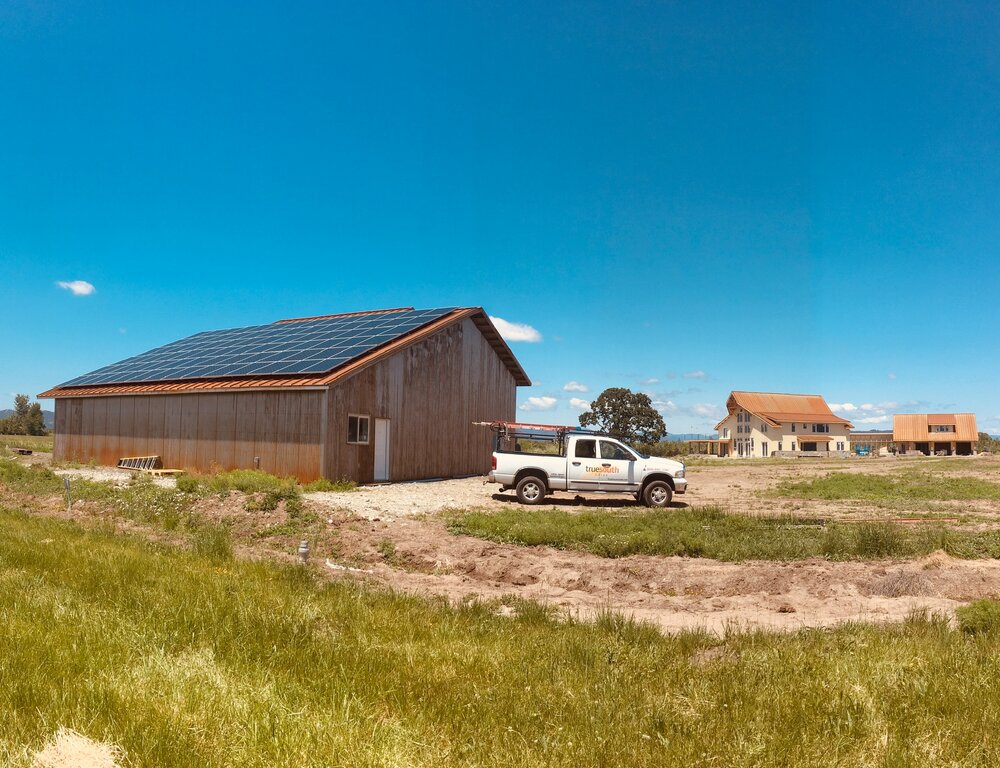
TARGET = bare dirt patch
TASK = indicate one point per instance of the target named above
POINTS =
(672, 592)
(70, 749)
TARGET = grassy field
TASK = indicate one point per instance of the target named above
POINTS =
(31, 442)
(188, 660)
(712, 533)
(904, 487)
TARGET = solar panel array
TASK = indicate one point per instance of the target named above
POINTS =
(301, 347)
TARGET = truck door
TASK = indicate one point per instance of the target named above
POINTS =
(617, 467)
(582, 471)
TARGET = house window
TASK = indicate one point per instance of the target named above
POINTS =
(357, 430)
(779, 447)
(725, 433)
(793, 445)
(763, 449)
(821, 427)
(763, 427)
(793, 428)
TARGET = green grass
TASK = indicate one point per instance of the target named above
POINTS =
(264, 491)
(188, 660)
(712, 533)
(31, 442)
(902, 488)
(336, 486)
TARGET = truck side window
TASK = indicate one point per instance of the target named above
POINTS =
(613, 451)
(586, 449)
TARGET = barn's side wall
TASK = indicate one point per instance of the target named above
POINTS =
(202, 431)
(431, 392)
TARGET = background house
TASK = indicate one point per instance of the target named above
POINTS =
(370, 396)
(769, 423)
(930, 433)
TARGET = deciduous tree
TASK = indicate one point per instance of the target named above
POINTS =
(626, 415)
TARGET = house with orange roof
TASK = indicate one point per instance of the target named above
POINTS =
(761, 424)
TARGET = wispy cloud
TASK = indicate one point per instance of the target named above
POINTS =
(892, 376)
(649, 382)
(77, 287)
(543, 403)
(708, 411)
(516, 331)
(579, 404)
(695, 375)
(575, 386)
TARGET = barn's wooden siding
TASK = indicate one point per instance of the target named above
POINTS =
(431, 392)
(202, 431)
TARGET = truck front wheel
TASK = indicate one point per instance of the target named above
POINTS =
(530, 490)
(657, 494)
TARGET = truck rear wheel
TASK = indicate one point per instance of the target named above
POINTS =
(530, 490)
(657, 494)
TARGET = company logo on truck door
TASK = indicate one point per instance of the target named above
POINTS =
(598, 470)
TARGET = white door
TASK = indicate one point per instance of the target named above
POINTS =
(583, 472)
(381, 450)
(617, 467)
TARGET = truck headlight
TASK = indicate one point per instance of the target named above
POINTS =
(679, 473)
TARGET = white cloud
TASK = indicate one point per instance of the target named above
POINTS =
(77, 287)
(843, 407)
(543, 403)
(664, 406)
(872, 420)
(892, 376)
(649, 382)
(575, 386)
(695, 375)
(516, 331)
(707, 410)
(579, 404)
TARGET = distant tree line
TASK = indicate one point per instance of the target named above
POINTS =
(987, 443)
(26, 420)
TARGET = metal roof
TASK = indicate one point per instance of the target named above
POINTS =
(915, 427)
(304, 352)
(777, 408)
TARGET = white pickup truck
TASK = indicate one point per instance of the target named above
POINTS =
(536, 459)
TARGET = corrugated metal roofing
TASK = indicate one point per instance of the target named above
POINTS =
(776, 407)
(360, 359)
(915, 427)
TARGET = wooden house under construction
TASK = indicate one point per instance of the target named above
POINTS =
(945, 434)
(369, 396)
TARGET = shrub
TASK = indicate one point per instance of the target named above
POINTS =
(979, 617)
(188, 484)
(334, 486)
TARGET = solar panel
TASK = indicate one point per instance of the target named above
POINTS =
(300, 347)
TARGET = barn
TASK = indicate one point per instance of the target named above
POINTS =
(370, 396)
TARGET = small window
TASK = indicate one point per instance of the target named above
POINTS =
(586, 449)
(793, 427)
(357, 430)
(779, 447)
(615, 452)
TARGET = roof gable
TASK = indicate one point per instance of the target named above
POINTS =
(296, 353)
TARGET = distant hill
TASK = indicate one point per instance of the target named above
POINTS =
(48, 416)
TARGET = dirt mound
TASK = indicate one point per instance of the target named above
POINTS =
(70, 749)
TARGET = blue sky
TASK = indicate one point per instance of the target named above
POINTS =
(683, 199)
